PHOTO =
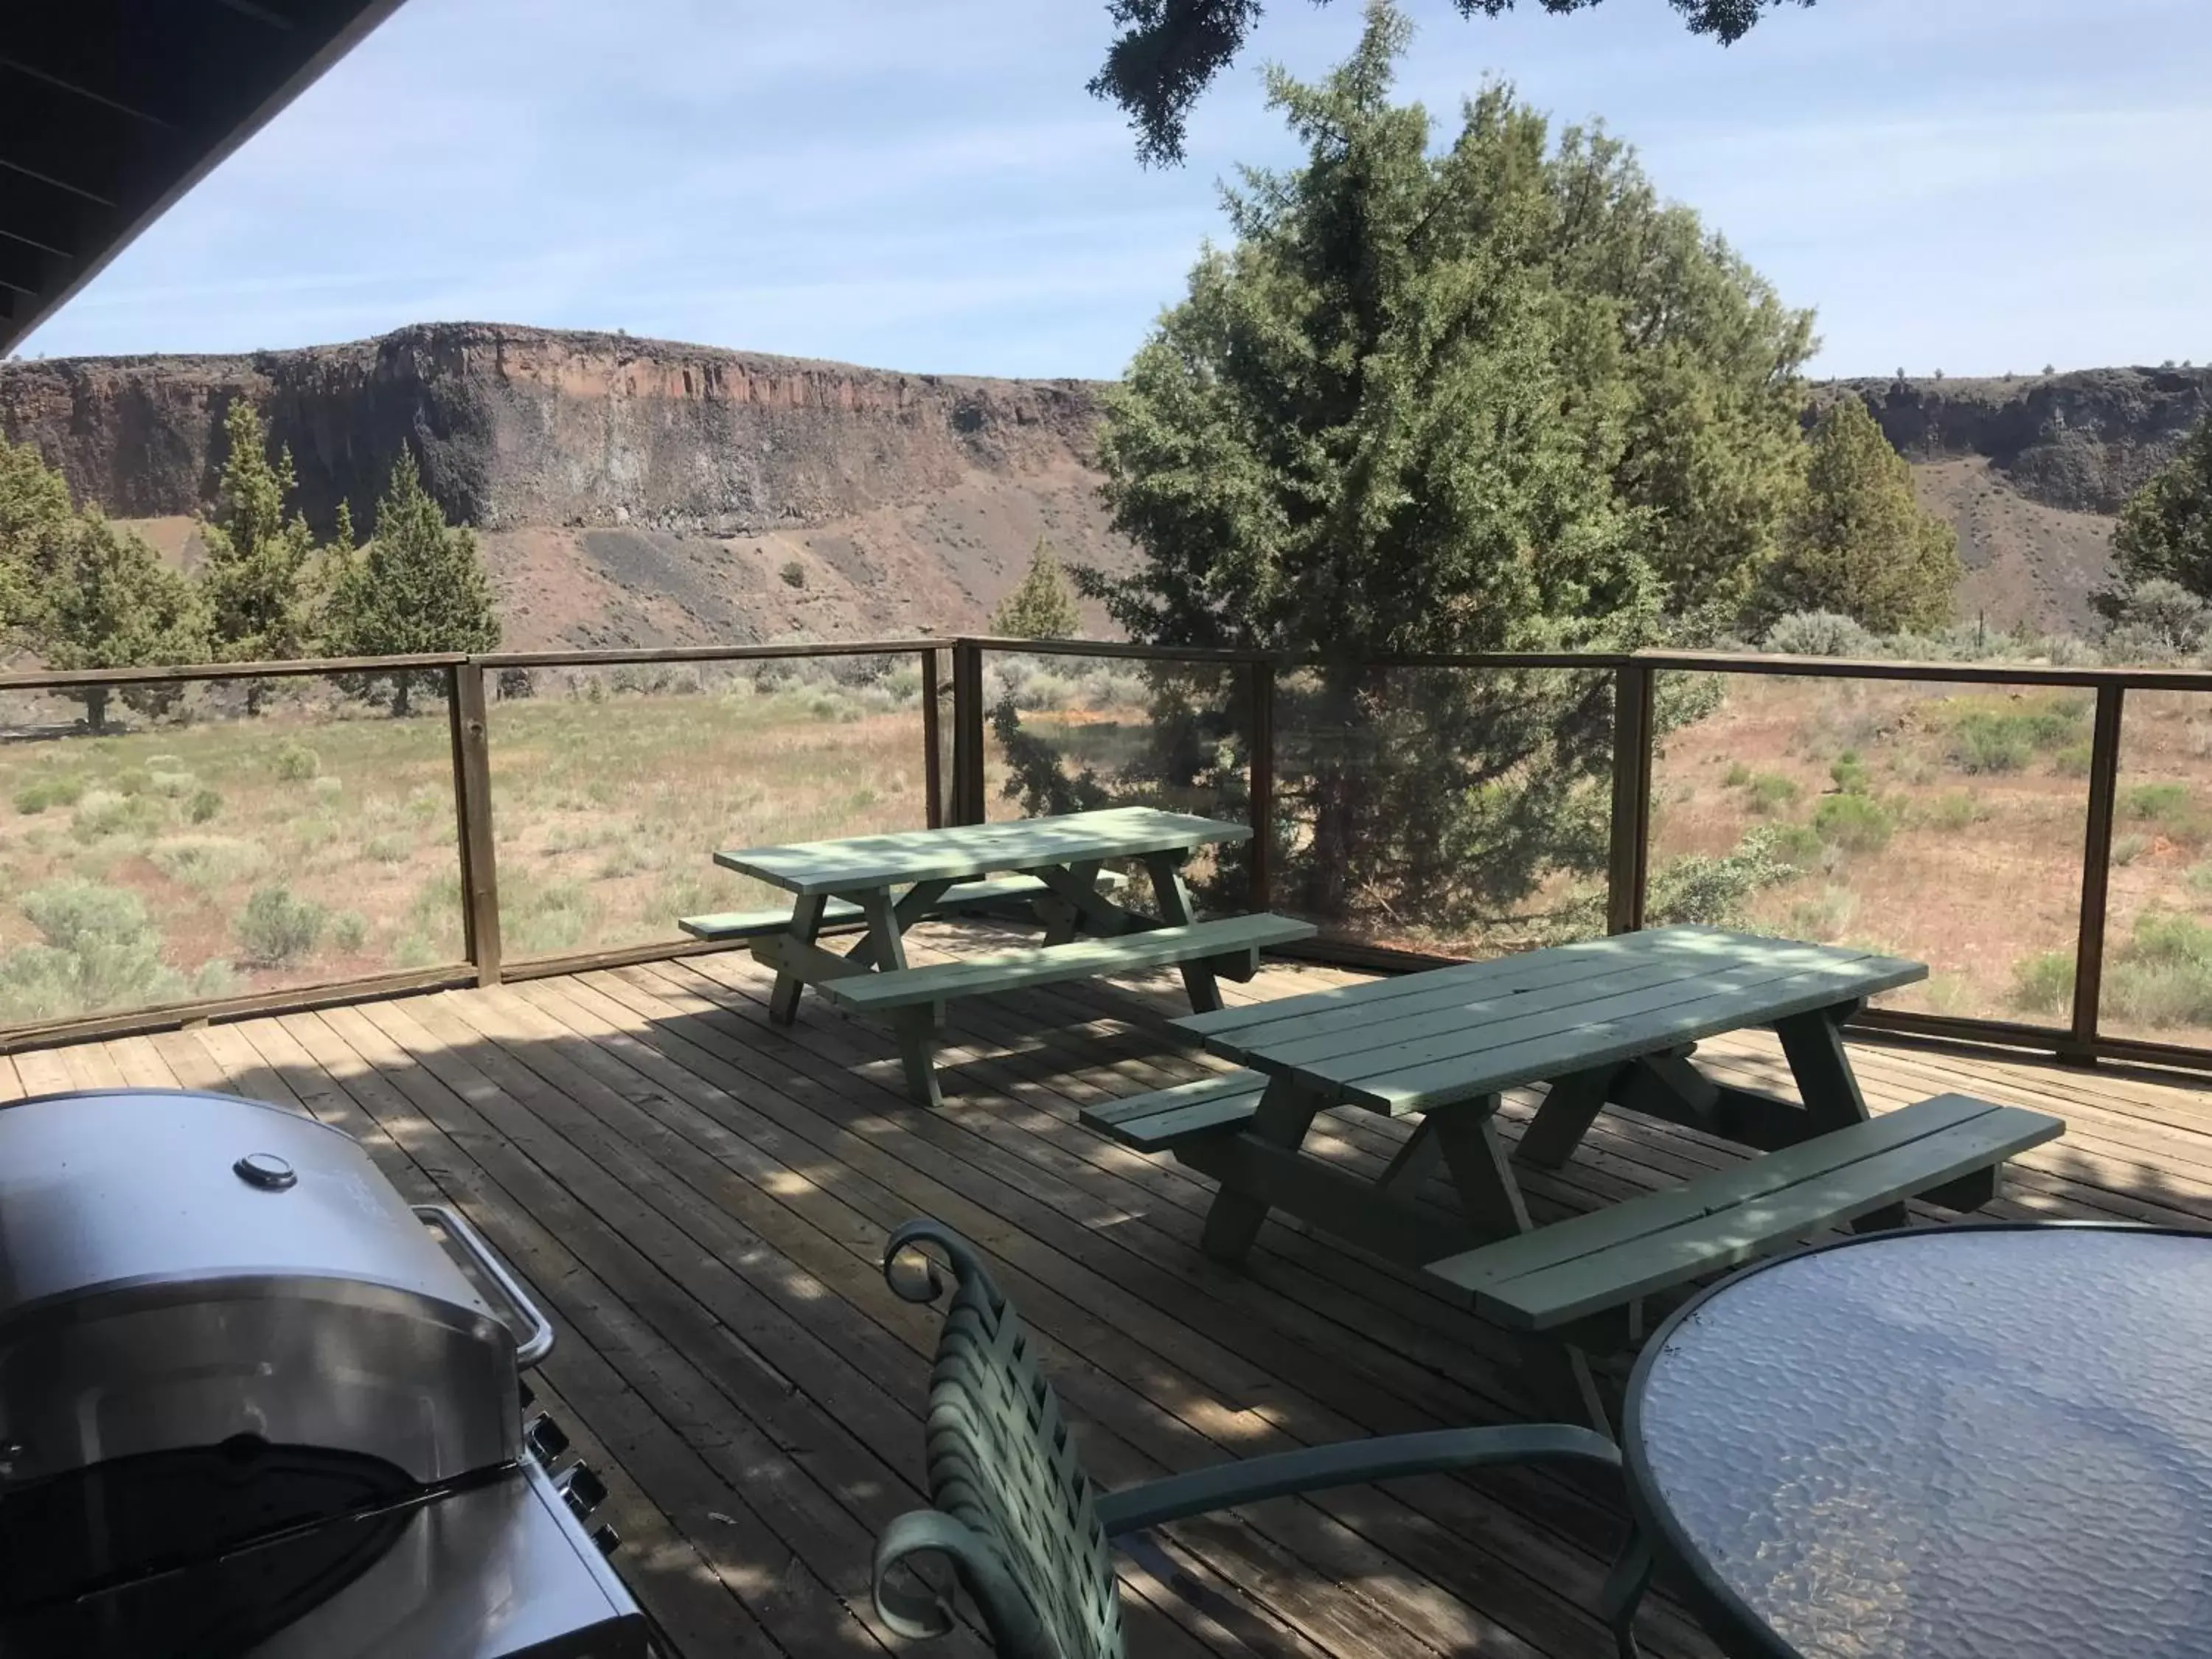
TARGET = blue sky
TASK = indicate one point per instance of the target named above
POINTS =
(1972, 185)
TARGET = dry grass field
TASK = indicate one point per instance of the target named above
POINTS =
(218, 853)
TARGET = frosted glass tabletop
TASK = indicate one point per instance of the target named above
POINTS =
(1970, 1443)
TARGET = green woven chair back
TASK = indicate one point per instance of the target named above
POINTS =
(1012, 1507)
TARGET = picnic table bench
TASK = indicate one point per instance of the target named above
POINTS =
(1055, 866)
(1613, 1022)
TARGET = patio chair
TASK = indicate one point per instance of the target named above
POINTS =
(1027, 1533)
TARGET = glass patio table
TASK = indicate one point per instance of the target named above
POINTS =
(1969, 1442)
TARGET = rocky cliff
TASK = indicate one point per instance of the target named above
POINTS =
(631, 491)
(526, 426)
(2082, 443)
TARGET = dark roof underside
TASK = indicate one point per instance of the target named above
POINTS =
(110, 109)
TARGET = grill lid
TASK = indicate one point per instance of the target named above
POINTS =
(179, 1269)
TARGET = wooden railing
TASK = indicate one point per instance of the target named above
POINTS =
(952, 671)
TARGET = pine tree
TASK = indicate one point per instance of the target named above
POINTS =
(110, 603)
(1859, 544)
(2165, 528)
(419, 586)
(37, 521)
(1041, 606)
(255, 573)
(1493, 397)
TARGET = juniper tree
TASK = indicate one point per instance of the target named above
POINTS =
(2165, 528)
(1041, 607)
(1492, 398)
(418, 586)
(37, 520)
(109, 602)
(255, 575)
(1859, 543)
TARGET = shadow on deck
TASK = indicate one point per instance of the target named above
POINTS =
(699, 1200)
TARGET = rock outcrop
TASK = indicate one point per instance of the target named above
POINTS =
(535, 426)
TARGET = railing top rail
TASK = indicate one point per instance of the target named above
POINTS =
(495, 659)
(45, 679)
(2147, 679)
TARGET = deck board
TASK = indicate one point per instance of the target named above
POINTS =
(698, 1197)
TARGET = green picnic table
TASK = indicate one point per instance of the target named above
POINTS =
(1609, 1021)
(1058, 872)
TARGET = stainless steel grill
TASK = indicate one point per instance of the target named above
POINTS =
(251, 1403)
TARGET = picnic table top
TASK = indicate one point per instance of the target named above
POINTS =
(1432, 1039)
(861, 862)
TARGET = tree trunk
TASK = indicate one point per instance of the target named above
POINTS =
(95, 709)
(401, 685)
(1336, 790)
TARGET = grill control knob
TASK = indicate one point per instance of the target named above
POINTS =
(584, 1491)
(270, 1173)
(607, 1539)
(545, 1438)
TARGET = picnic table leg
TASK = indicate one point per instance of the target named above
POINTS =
(806, 924)
(1285, 1114)
(912, 1027)
(1570, 1106)
(1814, 1045)
(1174, 900)
(1476, 1155)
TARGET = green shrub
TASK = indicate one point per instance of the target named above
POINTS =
(203, 805)
(294, 761)
(1737, 775)
(206, 862)
(793, 574)
(1768, 793)
(1849, 774)
(2073, 761)
(2044, 984)
(1856, 823)
(325, 787)
(2001, 734)
(100, 814)
(392, 848)
(2157, 802)
(36, 796)
(99, 951)
(2199, 880)
(276, 928)
(1798, 845)
(1988, 743)
(350, 931)
(214, 979)
(1824, 918)
(132, 781)
(1699, 888)
(1956, 809)
(2161, 977)
(171, 785)
(2127, 849)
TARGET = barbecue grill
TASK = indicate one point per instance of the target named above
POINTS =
(252, 1404)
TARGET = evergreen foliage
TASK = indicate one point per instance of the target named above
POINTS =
(1493, 398)
(419, 586)
(1169, 51)
(1043, 605)
(110, 603)
(37, 522)
(1858, 543)
(2165, 528)
(258, 550)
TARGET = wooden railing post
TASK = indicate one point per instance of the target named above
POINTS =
(933, 740)
(1262, 870)
(2096, 871)
(1626, 868)
(473, 813)
(967, 732)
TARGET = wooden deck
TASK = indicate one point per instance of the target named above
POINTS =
(699, 1199)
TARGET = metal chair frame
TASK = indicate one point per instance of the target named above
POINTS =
(1029, 1536)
